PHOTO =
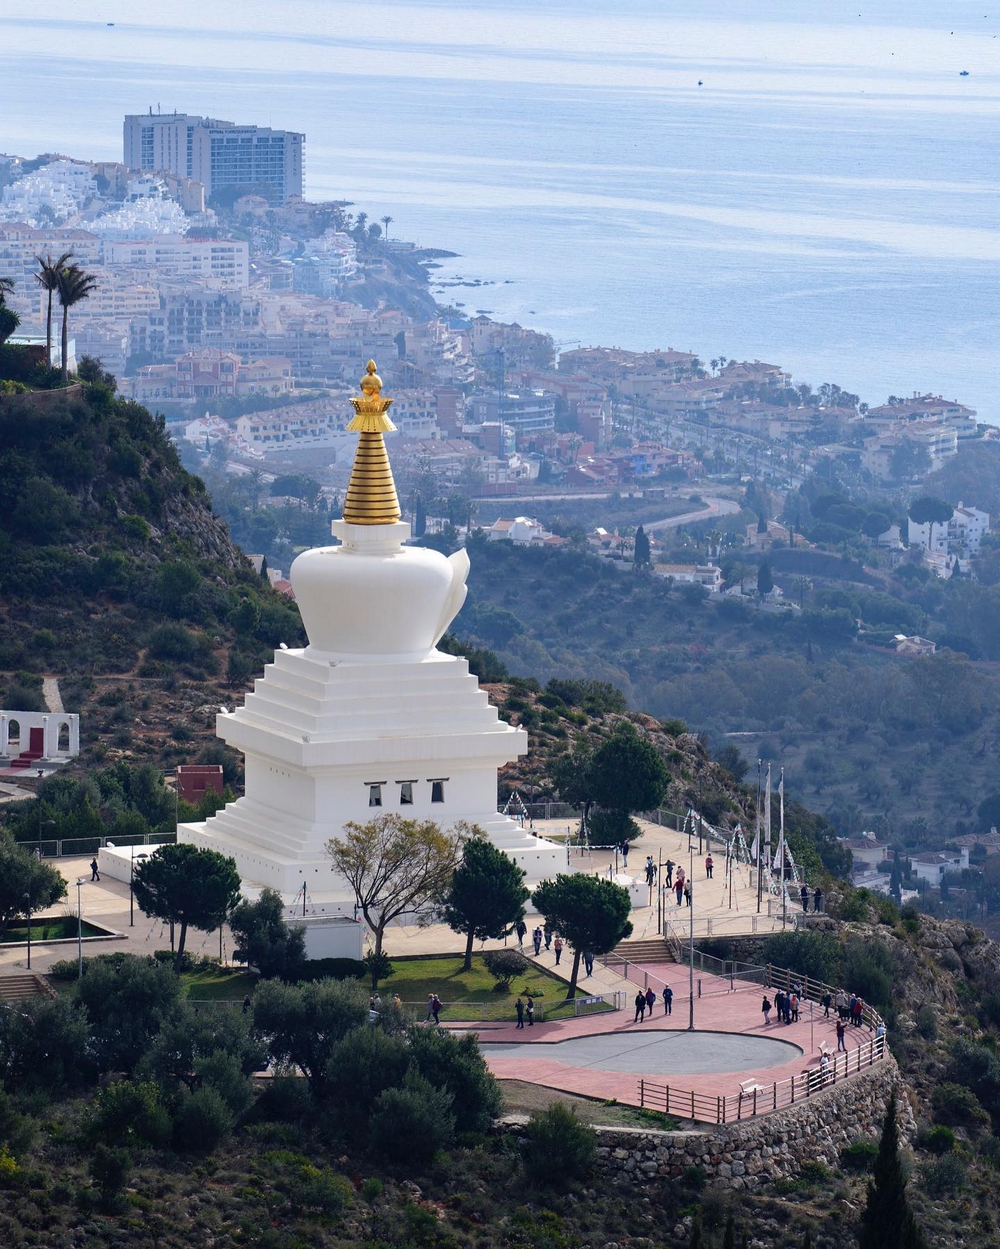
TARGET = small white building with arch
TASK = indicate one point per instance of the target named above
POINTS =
(30, 738)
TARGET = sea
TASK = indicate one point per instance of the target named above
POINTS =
(810, 184)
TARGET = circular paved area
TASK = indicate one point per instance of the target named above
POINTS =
(693, 1053)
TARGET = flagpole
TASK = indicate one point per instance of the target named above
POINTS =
(784, 890)
(756, 842)
(767, 823)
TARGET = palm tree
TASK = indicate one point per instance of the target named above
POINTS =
(48, 279)
(9, 321)
(6, 288)
(386, 222)
(73, 285)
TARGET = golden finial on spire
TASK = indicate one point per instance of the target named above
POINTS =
(371, 493)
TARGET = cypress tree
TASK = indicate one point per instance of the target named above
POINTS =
(888, 1221)
(642, 555)
(419, 519)
(263, 568)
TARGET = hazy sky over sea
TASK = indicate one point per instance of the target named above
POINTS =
(825, 198)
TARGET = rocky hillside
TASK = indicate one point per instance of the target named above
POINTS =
(116, 576)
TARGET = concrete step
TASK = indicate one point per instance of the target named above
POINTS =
(20, 987)
(645, 950)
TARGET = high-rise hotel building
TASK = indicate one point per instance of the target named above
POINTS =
(216, 153)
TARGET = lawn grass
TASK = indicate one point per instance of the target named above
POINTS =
(469, 995)
(216, 984)
(58, 929)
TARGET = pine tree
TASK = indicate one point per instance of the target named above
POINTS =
(888, 1222)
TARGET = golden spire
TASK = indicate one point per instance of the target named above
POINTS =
(371, 492)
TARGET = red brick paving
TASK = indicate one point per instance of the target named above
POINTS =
(718, 1009)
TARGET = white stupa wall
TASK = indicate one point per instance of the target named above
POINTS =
(370, 701)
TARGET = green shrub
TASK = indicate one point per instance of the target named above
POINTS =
(859, 1156)
(958, 1106)
(361, 1067)
(285, 1099)
(410, 1124)
(926, 1022)
(558, 1148)
(130, 1114)
(222, 1072)
(203, 1122)
(109, 1167)
(457, 1066)
(937, 1139)
(947, 1176)
(504, 966)
(331, 969)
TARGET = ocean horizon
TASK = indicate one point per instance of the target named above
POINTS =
(819, 192)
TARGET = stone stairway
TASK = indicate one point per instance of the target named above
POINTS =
(21, 986)
(646, 950)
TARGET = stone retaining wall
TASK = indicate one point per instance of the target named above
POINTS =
(770, 1147)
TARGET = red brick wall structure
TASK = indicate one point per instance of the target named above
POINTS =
(195, 779)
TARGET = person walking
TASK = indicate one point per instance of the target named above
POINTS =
(668, 869)
(709, 865)
(818, 900)
(826, 1001)
(436, 1009)
(668, 1000)
(529, 1010)
(640, 1006)
(804, 895)
(548, 937)
(624, 852)
(765, 1006)
(519, 1007)
(650, 1000)
(536, 941)
(522, 929)
(247, 1004)
(94, 872)
(687, 895)
(841, 1042)
(679, 890)
(779, 1006)
(558, 947)
(430, 1007)
(681, 875)
(588, 962)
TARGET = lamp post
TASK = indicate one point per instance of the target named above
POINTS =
(691, 941)
(42, 823)
(81, 881)
(27, 898)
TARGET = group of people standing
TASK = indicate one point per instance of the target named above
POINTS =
(644, 1002)
(542, 935)
(785, 1004)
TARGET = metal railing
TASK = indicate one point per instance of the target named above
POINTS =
(759, 1099)
(75, 847)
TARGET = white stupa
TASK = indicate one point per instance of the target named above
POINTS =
(369, 718)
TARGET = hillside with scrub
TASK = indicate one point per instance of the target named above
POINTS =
(117, 578)
(872, 739)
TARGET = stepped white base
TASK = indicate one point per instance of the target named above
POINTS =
(318, 733)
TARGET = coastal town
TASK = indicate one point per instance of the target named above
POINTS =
(237, 308)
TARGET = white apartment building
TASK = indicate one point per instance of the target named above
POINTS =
(52, 193)
(148, 210)
(224, 264)
(20, 243)
(706, 575)
(216, 153)
(287, 429)
(962, 535)
(939, 439)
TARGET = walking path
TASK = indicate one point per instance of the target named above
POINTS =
(604, 1056)
(50, 692)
